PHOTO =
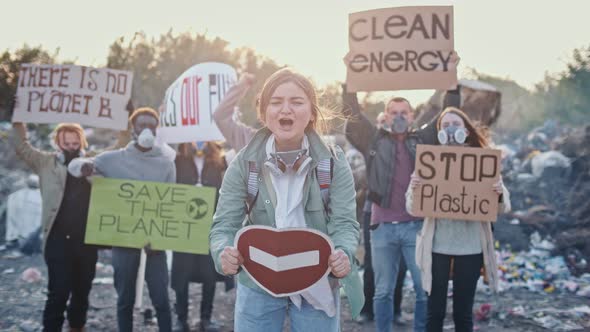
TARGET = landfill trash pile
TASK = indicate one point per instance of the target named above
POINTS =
(537, 292)
(547, 173)
(537, 271)
(515, 309)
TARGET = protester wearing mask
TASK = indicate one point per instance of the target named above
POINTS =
(456, 247)
(141, 160)
(389, 153)
(200, 164)
(70, 263)
(292, 161)
(367, 313)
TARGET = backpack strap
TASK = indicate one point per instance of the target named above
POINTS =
(253, 173)
(324, 173)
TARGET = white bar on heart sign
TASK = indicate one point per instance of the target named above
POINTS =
(287, 262)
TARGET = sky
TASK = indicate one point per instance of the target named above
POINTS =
(521, 40)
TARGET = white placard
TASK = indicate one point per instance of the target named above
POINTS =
(95, 97)
(191, 101)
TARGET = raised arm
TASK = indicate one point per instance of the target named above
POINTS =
(237, 134)
(358, 129)
(32, 156)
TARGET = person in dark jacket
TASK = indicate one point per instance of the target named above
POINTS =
(200, 164)
(389, 153)
(70, 262)
(368, 275)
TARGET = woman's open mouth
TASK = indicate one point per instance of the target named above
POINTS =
(286, 123)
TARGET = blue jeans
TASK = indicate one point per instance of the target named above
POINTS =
(257, 311)
(125, 264)
(388, 242)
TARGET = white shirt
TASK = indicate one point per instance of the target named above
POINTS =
(199, 162)
(289, 213)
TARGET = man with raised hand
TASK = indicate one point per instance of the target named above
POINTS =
(389, 153)
(70, 263)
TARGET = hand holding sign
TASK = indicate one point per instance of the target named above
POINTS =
(191, 100)
(339, 264)
(499, 187)
(130, 213)
(455, 182)
(415, 181)
(401, 48)
(286, 261)
(68, 93)
(231, 259)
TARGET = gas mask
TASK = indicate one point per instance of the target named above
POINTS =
(281, 161)
(399, 125)
(145, 139)
(65, 156)
(452, 135)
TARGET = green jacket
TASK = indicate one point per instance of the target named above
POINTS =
(340, 225)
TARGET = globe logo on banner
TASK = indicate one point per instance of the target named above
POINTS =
(284, 261)
(197, 208)
(191, 101)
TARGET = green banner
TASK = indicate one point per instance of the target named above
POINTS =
(129, 213)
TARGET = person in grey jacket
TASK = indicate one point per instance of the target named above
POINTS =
(141, 160)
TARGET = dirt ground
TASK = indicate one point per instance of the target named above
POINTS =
(21, 304)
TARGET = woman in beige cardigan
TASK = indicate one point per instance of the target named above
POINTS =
(455, 247)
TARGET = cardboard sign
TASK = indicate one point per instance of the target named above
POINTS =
(456, 183)
(95, 97)
(284, 261)
(401, 48)
(130, 213)
(191, 101)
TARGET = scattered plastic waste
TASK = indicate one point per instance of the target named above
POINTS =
(31, 275)
(102, 281)
(483, 313)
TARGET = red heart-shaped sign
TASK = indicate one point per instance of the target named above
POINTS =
(284, 261)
